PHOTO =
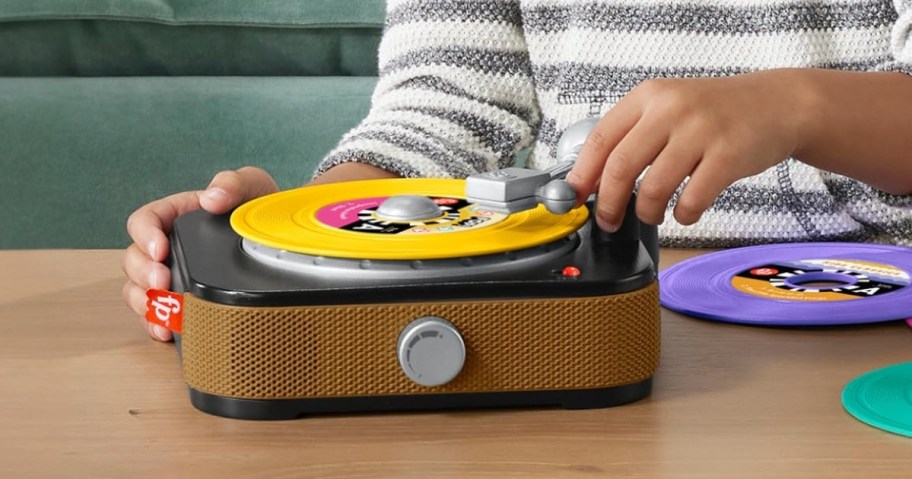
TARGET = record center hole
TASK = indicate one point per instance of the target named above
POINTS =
(821, 280)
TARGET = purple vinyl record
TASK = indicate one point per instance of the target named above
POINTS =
(793, 284)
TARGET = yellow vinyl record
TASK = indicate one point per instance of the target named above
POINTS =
(341, 220)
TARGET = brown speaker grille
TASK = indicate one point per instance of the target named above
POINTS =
(339, 351)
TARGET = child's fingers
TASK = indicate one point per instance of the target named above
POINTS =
(673, 164)
(232, 187)
(624, 165)
(136, 266)
(706, 183)
(135, 297)
(602, 140)
(149, 225)
(147, 230)
(158, 332)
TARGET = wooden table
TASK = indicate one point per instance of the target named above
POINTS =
(87, 394)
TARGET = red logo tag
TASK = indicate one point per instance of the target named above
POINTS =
(165, 308)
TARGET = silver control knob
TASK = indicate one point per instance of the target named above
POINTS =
(431, 351)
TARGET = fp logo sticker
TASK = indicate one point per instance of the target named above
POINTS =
(165, 309)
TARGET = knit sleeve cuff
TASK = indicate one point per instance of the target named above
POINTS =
(898, 67)
(387, 163)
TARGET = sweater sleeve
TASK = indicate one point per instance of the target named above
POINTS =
(455, 94)
(886, 217)
(900, 40)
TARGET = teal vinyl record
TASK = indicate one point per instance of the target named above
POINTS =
(882, 398)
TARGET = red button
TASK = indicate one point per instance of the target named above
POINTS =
(571, 271)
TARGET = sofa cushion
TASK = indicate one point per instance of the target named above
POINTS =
(80, 154)
(189, 37)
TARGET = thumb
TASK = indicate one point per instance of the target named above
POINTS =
(230, 188)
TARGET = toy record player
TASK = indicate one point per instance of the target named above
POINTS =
(408, 294)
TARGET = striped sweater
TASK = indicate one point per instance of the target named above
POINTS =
(465, 85)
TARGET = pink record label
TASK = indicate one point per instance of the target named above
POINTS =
(359, 216)
(345, 213)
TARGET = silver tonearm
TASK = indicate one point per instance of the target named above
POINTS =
(510, 190)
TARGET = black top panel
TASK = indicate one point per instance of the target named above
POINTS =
(208, 261)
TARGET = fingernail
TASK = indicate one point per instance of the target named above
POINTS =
(153, 279)
(605, 225)
(160, 332)
(153, 246)
(216, 194)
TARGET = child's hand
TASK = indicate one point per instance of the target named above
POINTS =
(149, 226)
(714, 130)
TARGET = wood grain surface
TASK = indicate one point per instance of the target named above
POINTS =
(87, 394)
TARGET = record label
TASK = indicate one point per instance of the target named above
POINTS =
(820, 280)
(360, 216)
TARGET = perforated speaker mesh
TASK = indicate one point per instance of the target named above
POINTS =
(339, 351)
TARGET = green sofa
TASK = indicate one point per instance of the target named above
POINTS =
(105, 106)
